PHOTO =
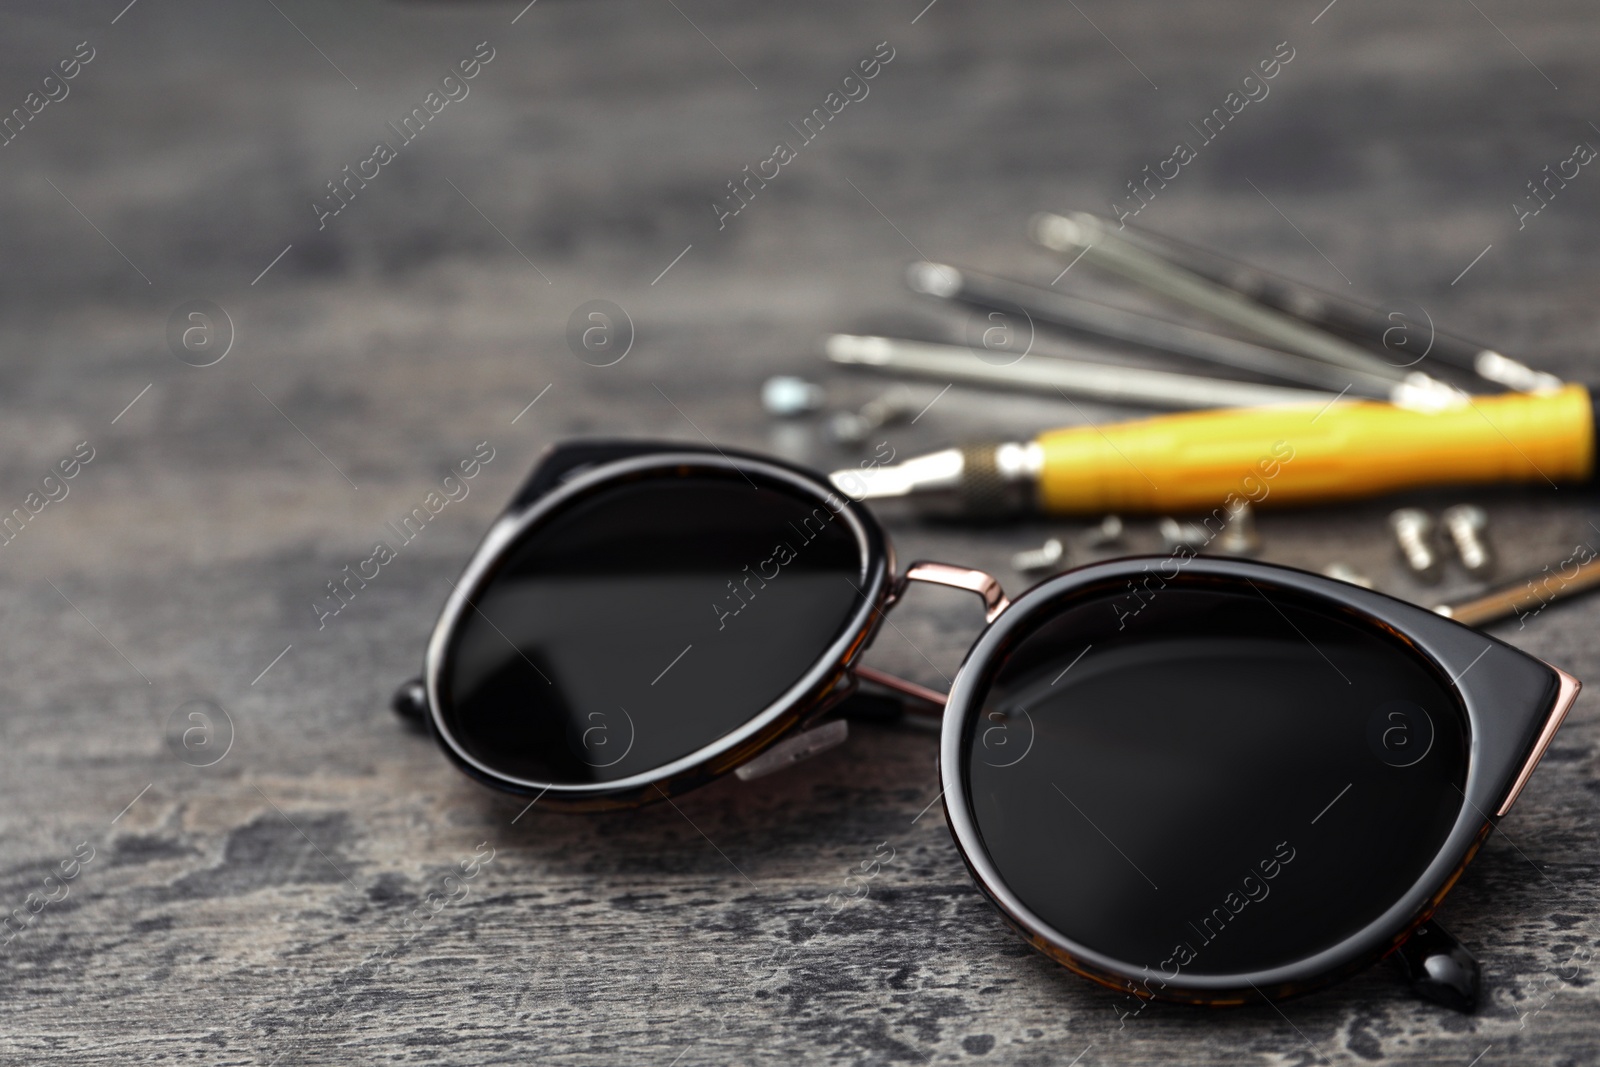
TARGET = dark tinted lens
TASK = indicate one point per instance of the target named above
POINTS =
(645, 620)
(1223, 784)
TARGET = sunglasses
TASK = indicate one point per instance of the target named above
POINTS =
(1186, 778)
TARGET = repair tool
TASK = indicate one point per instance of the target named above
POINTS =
(1084, 234)
(1060, 376)
(1296, 454)
(1132, 327)
(1339, 315)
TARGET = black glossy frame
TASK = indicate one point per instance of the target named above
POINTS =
(1511, 700)
(569, 472)
(1513, 705)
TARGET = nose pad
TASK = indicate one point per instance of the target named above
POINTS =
(796, 749)
(1440, 968)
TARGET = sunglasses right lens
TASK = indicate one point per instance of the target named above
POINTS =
(643, 620)
(1215, 779)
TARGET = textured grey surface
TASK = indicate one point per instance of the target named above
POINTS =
(247, 912)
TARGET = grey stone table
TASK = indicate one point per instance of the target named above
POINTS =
(250, 911)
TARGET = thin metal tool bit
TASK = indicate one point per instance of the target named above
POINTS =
(1528, 595)
(1105, 249)
(1054, 375)
(1357, 322)
(1131, 327)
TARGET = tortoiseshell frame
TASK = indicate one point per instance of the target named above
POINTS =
(1513, 704)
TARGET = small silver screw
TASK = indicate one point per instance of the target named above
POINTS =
(1046, 557)
(1176, 535)
(1346, 573)
(1414, 533)
(784, 396)
(1468, 527)
(1239, 537)
(852, 427)
(1108, 533)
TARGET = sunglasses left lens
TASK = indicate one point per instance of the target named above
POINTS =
(642, 620)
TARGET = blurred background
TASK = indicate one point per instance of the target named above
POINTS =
(358, 337)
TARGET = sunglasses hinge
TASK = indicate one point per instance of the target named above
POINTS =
(973, 581)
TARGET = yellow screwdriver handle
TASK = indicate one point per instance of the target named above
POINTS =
(1307, 454)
